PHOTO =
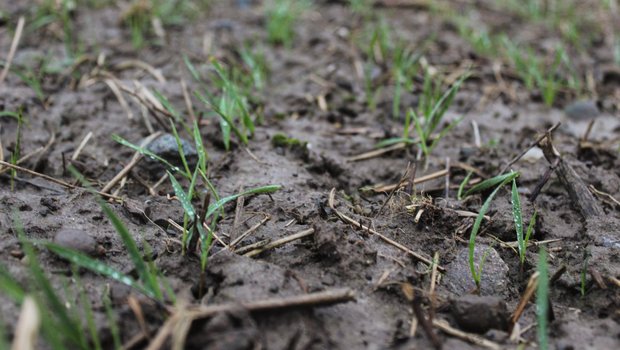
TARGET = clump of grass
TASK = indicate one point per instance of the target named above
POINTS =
(281, 16)
(427, 121)
(518, 219)
(59, 12)
(404, 67)
(143, 16)
(542, 300)
(231, 104)
(502, 180)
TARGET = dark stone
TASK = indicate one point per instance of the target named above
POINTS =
(479, 314)
(77, 240)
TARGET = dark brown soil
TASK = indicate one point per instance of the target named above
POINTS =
(321, 64)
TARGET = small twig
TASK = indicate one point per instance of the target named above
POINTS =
(403, 178)
(113, 85)
(586, 134)
(247, 248)
(239, 210)
(447, 183)
(603, 194)
(281, 241)
(249, 231)
(477, 142)
(525, 298)
(531, 145)
(376, 153)
(577, 190)
(78, 150)
(418, 180)
(133, 63)
(426, 325)
(132, 163)
(18, 34)
(56, 181)
(472, 338)
(325, 298)
(350, 221)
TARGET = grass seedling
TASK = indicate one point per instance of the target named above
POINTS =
(459, 194)
(404, 66)
(518, 219)
(505, 179)
(281, 16)
(432, 109)
(542, 300)
(15, 154)
(256, 64)
(362, 7)
(231, 106)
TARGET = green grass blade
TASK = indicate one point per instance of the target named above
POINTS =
(258, 190)
(474, 231)
(443, 104)
(200, 149)
(15, 115)
(149, 280)
(95, 266)
(10, 287)
(87, 308)
(421, 133)
(67, 326)
(542, 300)
(192, 70)
(530, 228)
(112, 321)
(459, 194)
(518, 220)
(182, 196)
(180, 147)
(488, 183)
(167, 105)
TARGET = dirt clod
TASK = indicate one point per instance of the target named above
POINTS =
(480, 313)
(77, 240)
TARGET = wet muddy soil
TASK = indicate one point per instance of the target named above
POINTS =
(315, 93)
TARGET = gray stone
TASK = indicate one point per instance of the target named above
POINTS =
(77, 240)
(167, 148)
(494, 281)
(582, 110)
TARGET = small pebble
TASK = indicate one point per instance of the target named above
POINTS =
(582, 110)
(77, 240)
(166, 147)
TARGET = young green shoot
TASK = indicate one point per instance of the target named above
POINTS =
(542, 300)
(459, 194)
(517, 215)
(281, 17)
(477, 272)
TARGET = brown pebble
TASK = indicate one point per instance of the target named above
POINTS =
(77, 240)
(480, 313)
(16, 253)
